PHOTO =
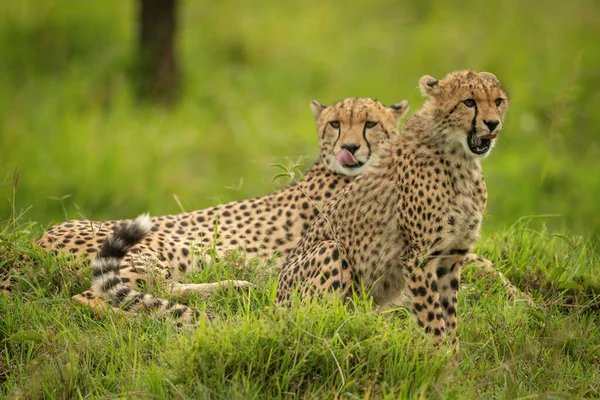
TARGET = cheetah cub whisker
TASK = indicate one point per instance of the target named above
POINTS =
(407, 225)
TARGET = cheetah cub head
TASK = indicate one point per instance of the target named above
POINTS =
(468, 109)
(352, 131)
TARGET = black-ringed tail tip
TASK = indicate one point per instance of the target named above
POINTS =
(107, 278)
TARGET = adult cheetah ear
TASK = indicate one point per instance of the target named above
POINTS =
(429, 85)
(317, 108)
(399, 109)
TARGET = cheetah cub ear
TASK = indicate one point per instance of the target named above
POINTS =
(399, 109)
(317, 108)
(489, 75)
(429, 86)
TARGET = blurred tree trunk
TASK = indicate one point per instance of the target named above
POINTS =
(159, 75)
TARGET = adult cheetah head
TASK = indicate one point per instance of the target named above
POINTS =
(352, 130)
(468, 108)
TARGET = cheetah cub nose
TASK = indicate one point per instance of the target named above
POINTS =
(351, 147)
(491, 124)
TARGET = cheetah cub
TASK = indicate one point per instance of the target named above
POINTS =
(351, 132)
(405, 227)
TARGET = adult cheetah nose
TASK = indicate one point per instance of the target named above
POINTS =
(491, 124)
(352, 147)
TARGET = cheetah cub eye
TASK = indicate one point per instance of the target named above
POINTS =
(370, 124)
(469, 103)
(499, 101)
(335, 124)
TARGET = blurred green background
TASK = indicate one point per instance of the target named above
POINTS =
(70, 121)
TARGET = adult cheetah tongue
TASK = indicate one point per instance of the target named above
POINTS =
(345, 158)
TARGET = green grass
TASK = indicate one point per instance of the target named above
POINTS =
(255, 349)
(84, 147)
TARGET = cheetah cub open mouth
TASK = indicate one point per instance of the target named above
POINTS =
(480, 144)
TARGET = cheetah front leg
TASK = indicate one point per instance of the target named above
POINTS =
(144, 264)
(448, 274)
(204, 290)
(425, 297)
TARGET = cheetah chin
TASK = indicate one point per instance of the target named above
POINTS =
(354, 169)
(357, 164)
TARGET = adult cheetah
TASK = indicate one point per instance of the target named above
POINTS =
(351, 133)
(407, 225)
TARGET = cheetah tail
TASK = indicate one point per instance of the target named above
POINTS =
(107, 274)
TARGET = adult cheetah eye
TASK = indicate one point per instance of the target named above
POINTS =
(499, 101)
(469, 103)
(370, 124)
(335, 124)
